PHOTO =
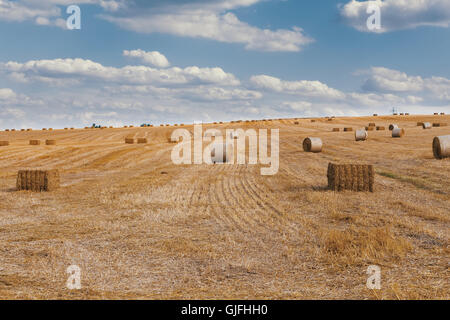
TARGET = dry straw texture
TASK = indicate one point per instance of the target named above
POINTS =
(4, 143)
(311, 144)
(398, 133)
(354, 177)
(441, 147)
(38, 180)
(50, 142)
(35, 142)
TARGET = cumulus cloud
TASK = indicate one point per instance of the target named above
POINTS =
(388, 80)
(398, 15)
(304, 88)
(153, 58)
(210, 19)
(85, 70)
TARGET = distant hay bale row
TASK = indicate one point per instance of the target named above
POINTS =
(439, 124)
(354, 177)
(361, 135)
(311, 144)
(4, 143)
(398, 133)
(38, 180)
(441, 147)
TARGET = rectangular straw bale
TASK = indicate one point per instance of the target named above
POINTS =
(381, 128)
(129, 140)
(38, 180)
(353, 177)
(35, 142)
(4, 143)
(142, 140)
(348, 129)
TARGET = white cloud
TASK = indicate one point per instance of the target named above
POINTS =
(153, 58)
(210, 19)
(303, 87)
(7, 94)
(219, 27)
(388, 80)
(398, 14)
(85, 70)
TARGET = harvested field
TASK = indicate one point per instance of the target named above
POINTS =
(140, 227)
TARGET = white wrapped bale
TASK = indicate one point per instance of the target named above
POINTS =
(398, 133)
(392, 126)
(312, 145)
(361, 135)
(426, 125)
(441, 147)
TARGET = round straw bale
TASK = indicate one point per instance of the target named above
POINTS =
(4, 143)
(6, 129)
(29, 129)
(392, 126)
(407, 114)
(426, 125)
(361, 135)
(311, 144)
(348, 129)
(142, 140)
(50, 142)
(380, 128)
(35, 142)
(442, 113)
(398, 133)
(441, 147)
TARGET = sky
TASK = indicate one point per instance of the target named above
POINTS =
(180, 61)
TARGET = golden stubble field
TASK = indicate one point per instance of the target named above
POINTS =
(140, 227)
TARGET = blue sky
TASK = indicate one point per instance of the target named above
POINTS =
(175, 61)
